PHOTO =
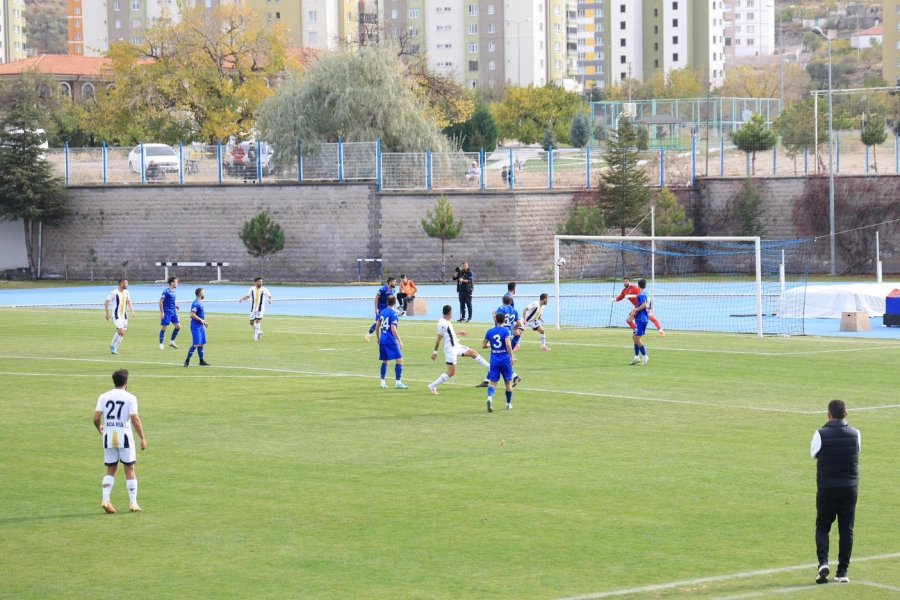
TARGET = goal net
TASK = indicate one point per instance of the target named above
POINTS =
(718, 284)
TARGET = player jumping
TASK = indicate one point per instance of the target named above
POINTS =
(632, 292)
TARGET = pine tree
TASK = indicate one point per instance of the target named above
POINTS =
(623, 193)
(754, 137)
(28, 189)
(873, 133)
(262, 236)
(440, 223)
(580, 133)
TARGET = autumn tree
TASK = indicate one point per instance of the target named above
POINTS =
(764, 81)
(201, 77)
(358, 95)
(479, 131)
(754, 136)
(441, 224)
(623, 191)
(526, 112)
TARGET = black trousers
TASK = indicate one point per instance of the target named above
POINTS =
(402, 300)
(834, 503)
(465, 304)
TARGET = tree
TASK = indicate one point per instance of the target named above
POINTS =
(525, 113)
(28, 189)
(549, 140)
(262, 236)
(764, 81)
(622, 191)
(357, 95)
(754, 137)
(47, 32)
(580, 132)
(439, 223)
(747, 210)
(796, 127)
(872, 133)
(202, 77)
(586, 217)
(479, 131)
(671, 218)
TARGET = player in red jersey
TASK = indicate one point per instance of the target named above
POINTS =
(631, 292)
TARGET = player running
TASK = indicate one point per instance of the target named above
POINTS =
(632, 292)
(168, 314)
(116, 306)
(389, 344)
(452, 349)
(533, 318)
(639, 316)
(498, 340)
(257, 296)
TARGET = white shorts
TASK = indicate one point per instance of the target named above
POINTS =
(535, 325)
(113, 456)
(452, 355)
(121, 324)
(257, 316)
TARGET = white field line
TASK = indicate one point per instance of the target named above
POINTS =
(770, 592)
(662, 587)
(305, 373)
(881, 586)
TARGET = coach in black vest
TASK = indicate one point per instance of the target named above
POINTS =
(836, 449)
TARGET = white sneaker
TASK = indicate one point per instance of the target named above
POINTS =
(842, 579)
(383, 385)
(645, 359)
(433, 390)
(172, 343)
(636, 359)
(162, 347)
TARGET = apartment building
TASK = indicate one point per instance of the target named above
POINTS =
(320, 24)
(890, 47)
(625, 39)
(749, 28)
(12, 30)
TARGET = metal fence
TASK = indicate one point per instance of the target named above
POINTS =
(506, 169)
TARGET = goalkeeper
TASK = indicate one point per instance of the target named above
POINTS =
(631, 291)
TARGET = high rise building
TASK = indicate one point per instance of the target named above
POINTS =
(320, 24)
(12, 30)
(626, 39)
(890, 47)
(749, 27)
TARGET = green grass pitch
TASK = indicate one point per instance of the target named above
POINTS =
(284, 472)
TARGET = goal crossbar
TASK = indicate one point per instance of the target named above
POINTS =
(755, 240)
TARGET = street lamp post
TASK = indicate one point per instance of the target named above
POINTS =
(518, 48)
(818, 31)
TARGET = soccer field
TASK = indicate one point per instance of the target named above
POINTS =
(283, 471)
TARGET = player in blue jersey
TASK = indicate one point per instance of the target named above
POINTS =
(498, 339)
(511, 322)
(389, 345)
(168, 313)
(381, 301)
(641, 318)
(198, 329)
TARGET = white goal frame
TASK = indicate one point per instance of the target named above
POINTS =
(756, 240)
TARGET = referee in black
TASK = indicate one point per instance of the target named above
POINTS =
(836, 449)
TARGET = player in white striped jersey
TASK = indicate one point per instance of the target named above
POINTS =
(257, 296)
(116, 306)
(533, 316)
(452, 349)
(116, 413)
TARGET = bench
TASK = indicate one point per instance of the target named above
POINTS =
(217, 265)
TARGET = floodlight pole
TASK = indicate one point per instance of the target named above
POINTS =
(818, 31)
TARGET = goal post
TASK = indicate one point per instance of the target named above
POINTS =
(732, 284)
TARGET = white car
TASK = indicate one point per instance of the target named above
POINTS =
(165, 157)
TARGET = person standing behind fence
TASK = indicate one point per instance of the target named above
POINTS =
(408, 289)
(168, 313)
(381, 302)
(257, 296)
(465, 285)
(836, 448)
(116, 306)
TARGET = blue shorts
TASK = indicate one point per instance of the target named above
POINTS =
(640, 328)
(389, 349)
(199, 335)
(169, 317)
(497, 369)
